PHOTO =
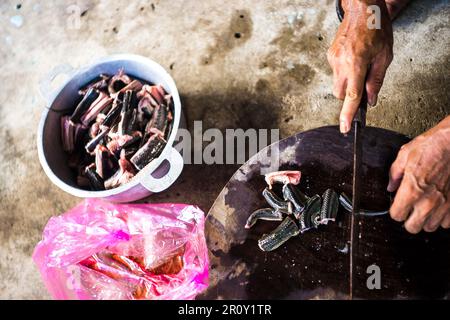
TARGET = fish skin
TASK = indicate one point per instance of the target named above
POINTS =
(267, 214)
(286, 230)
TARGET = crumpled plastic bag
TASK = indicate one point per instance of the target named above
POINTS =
(101, 250)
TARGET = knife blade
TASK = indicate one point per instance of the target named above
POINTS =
(359, 122)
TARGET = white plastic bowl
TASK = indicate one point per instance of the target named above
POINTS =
(157, 176)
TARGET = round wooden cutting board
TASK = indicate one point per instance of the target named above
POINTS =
(315, 264)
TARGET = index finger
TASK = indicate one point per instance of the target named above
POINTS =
(406, 197)
(397, 169)
(353, 94)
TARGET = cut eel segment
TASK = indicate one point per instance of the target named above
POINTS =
(274, 201)
(122, 176)
(267, 214)
(102, 102)
(150, 150)
(87, 101)
(330, 206)
(296, 197)
(95, 180)
(118, 119)
(286, 230)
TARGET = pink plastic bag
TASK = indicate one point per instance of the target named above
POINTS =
(100, 250)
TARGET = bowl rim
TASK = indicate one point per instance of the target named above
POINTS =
(149, 168)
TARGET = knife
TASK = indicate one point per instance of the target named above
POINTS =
(359, 122)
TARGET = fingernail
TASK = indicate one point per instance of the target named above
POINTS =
(373, 100)
(431, 227)
(344, 127)
(390, 187)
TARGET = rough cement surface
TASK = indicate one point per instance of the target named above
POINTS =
(238, 64)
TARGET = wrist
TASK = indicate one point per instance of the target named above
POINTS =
(358, 5)
(393, 7)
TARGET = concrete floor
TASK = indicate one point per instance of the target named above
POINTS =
(275, 75)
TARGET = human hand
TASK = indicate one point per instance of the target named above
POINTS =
(421, 173)
(355, 47)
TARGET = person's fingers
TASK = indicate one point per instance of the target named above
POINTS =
(333, 54)
(340, 82)
(446, 221)
(424, 208)
(438, 216)
(353, 93)
(376, 76)
(404, 200)
(398, 169)
(339, 77)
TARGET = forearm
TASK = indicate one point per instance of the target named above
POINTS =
(393, 6)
